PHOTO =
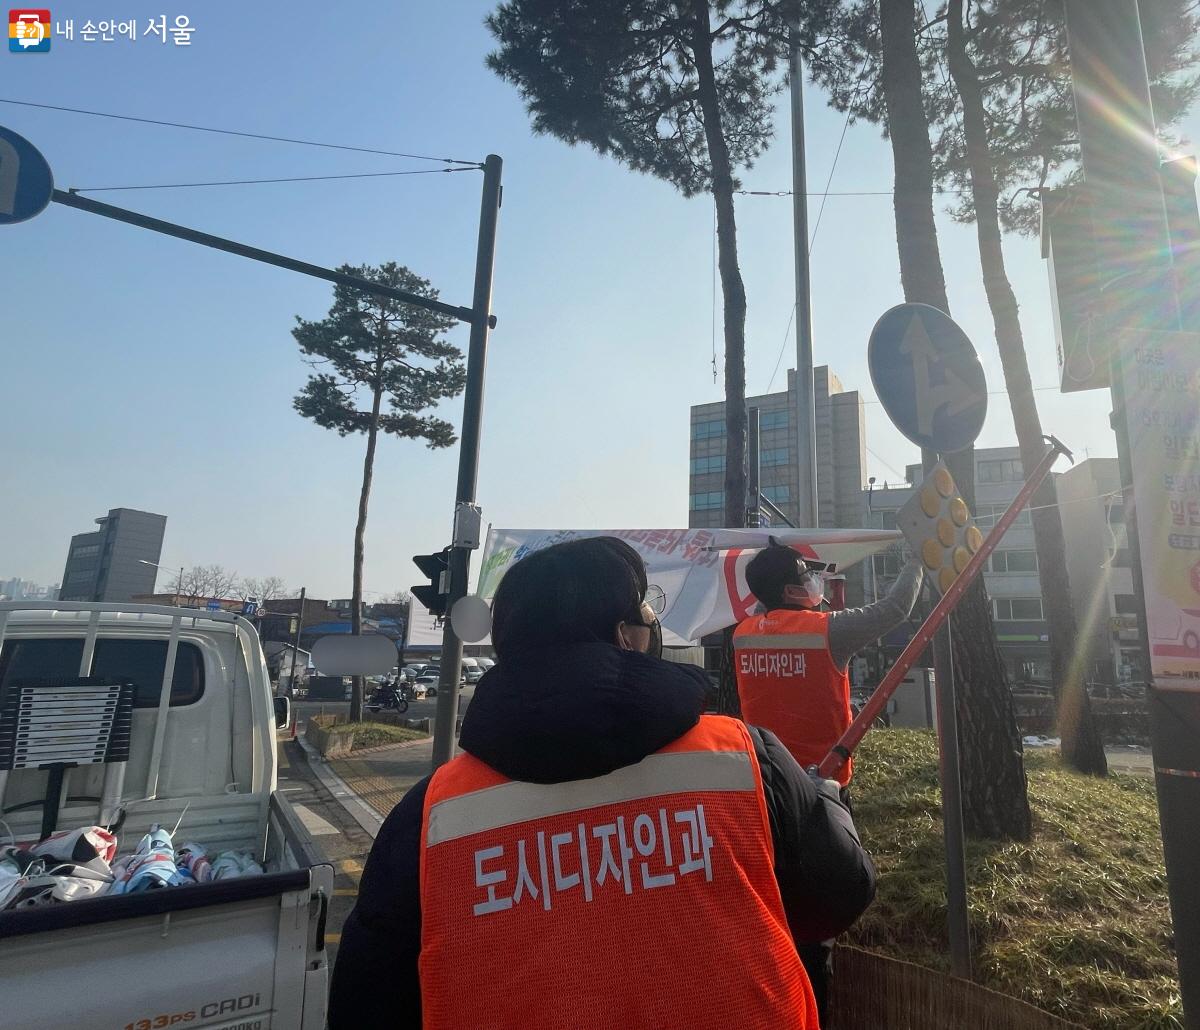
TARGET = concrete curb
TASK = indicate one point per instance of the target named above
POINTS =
(355, 752)
(355, 807)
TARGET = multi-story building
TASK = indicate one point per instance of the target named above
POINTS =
(841, 457)
(22, 590)
(1098, 563)
(1011, 577)
(13, 589)
(110, 564)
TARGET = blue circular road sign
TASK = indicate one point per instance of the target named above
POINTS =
(26, 184)
(928, 377)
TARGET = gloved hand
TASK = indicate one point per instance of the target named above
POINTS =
(830, 788)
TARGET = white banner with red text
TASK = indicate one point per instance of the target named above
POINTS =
(702, 571)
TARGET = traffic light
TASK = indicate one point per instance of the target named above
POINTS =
(434, 594)
(939, 528)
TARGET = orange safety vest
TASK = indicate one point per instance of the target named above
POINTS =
(642, 898)
(788, 683)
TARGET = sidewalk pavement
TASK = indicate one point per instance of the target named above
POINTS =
(383, 776)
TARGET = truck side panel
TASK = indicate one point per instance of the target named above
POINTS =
(205, 967)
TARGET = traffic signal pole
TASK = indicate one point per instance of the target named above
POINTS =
(296, 640)
(1123, 175)
(468, 457)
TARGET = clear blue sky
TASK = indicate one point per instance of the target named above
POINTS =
(145, 372)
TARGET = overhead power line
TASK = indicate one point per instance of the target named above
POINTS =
(235, 132)
(250, 182)
(843, 193)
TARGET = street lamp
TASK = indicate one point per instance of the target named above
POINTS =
(178, 585)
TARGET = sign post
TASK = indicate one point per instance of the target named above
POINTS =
(931, 384)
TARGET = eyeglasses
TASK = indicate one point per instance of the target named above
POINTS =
(655, 599)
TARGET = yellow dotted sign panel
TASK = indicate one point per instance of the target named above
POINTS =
(938, 527)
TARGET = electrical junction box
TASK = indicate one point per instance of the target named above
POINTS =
(468, 525)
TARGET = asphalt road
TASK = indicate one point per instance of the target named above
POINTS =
(416, 709)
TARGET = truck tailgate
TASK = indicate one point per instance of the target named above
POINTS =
(229, 955)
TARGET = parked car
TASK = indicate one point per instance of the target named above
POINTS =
(426, 684)
(472, 671)
(485, 663)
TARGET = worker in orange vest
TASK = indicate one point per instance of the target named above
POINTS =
(601, 854)
(792, 662)
(792, 669)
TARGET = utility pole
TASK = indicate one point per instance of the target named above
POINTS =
(296, 637)
(754, 453)
(1132, 243)
(806, 408)
(468, 459)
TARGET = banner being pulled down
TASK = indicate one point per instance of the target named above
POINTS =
(702, 571)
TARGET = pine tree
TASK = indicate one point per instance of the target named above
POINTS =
(366, 351)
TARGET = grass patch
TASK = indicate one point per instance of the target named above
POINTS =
(375, 734)
(1075, 921)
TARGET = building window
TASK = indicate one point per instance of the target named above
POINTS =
(772, 457)
(710, 501)
(776, 419)
(1125, 604)
(777, 494)
(1116, 513)
(707, 430)
(987, 515)
(711, 463)
(881, 518)
(1120, 558)
(887, 565)
(1018, 609)
(1004, 471)
(86, 551)
(1014, 561)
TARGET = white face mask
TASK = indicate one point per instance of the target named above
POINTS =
(813, 588)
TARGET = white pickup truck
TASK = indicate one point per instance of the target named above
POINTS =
(232, 954)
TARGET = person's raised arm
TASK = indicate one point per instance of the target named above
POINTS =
(853, 629)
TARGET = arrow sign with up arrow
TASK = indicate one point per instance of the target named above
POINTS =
(928, 377)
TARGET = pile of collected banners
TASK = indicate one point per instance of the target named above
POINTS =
(83, 863)
(64, 867)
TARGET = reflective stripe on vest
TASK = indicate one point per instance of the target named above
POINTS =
(788, 683)
(645, 897)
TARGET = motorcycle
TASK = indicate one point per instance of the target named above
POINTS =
(387, 698)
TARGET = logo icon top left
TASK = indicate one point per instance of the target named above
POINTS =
(29, 31)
